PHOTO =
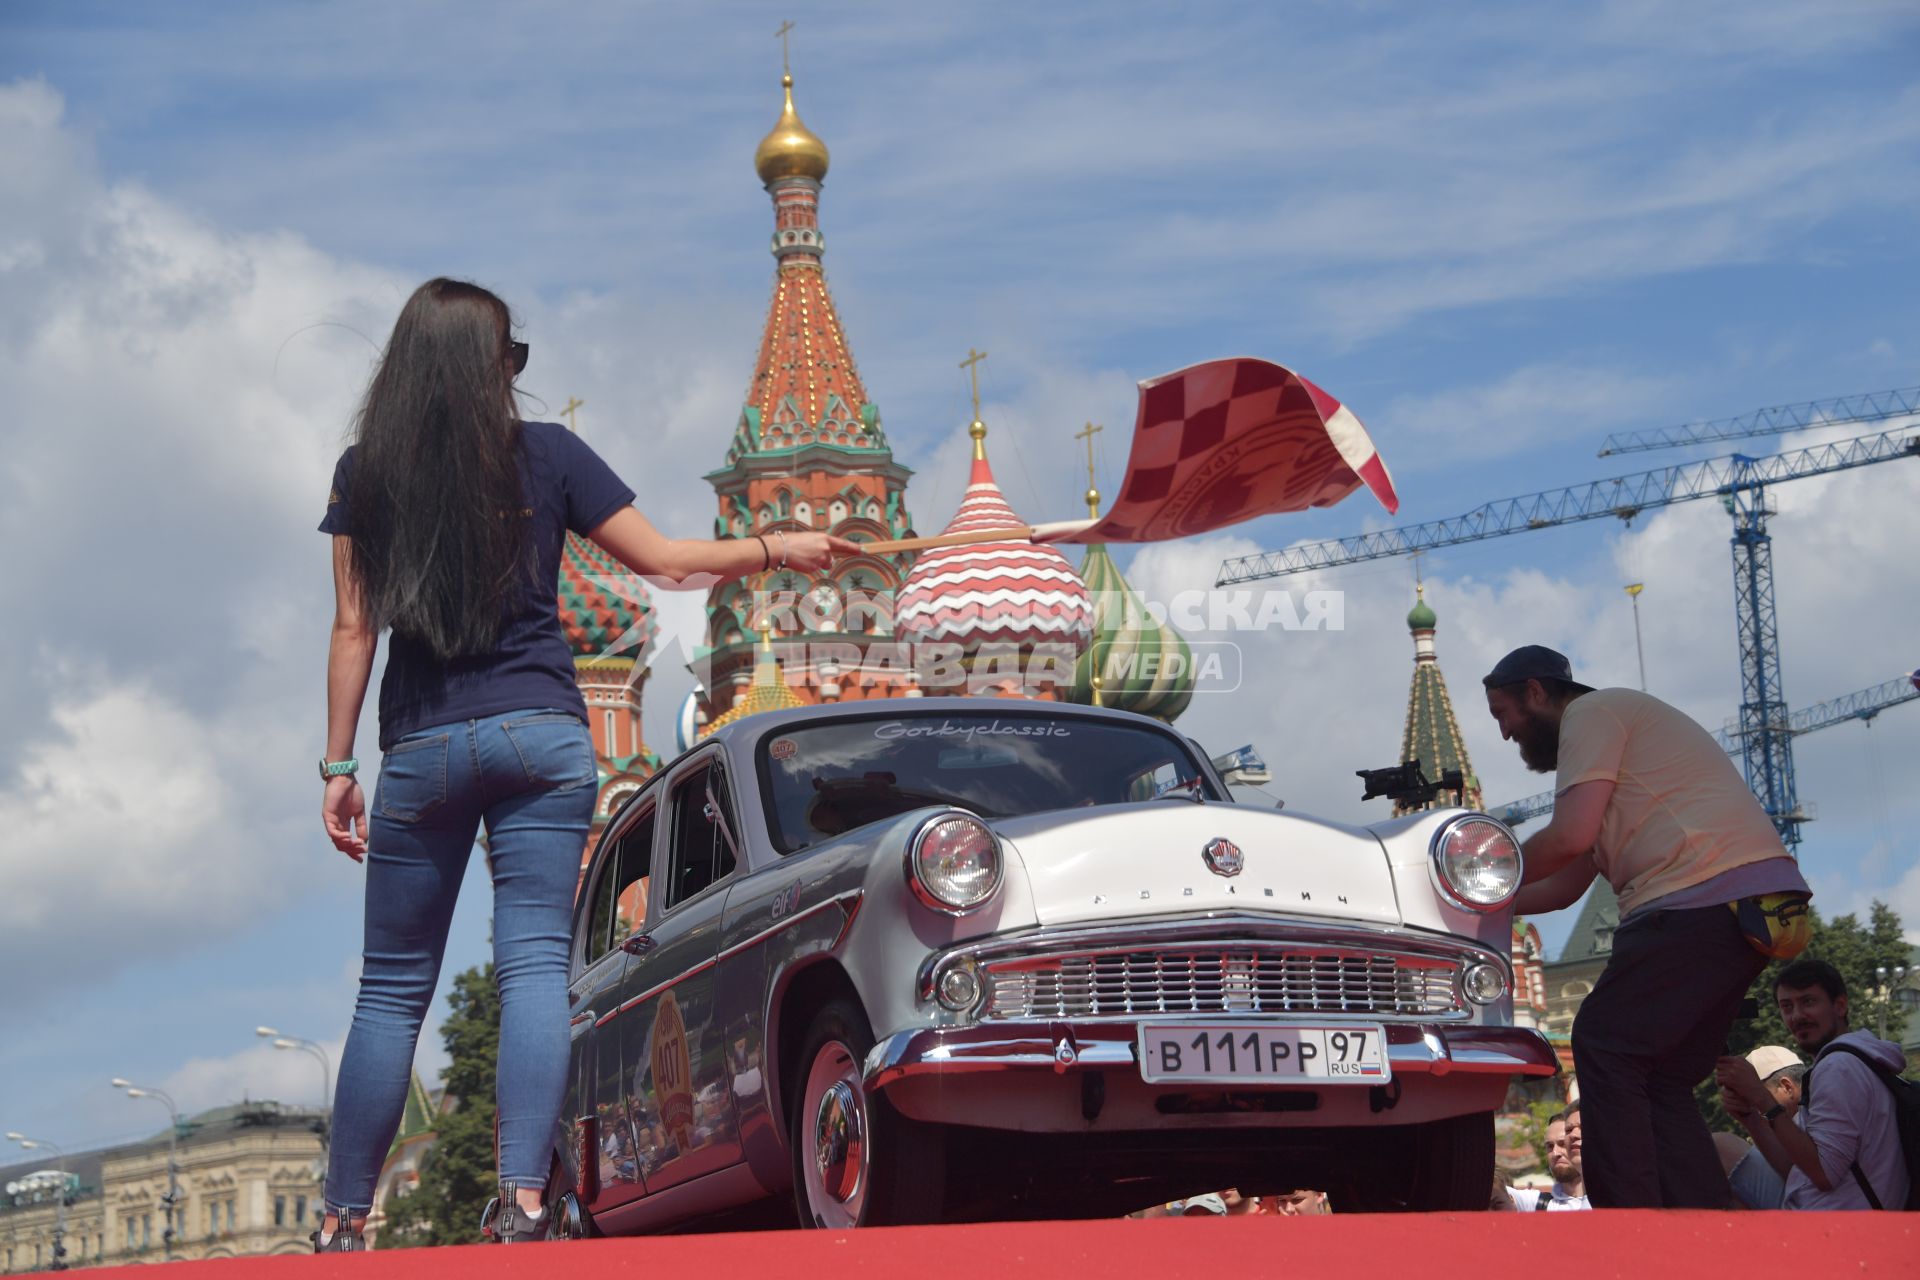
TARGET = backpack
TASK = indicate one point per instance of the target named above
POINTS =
(1906, 1123)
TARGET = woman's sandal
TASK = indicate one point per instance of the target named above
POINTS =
(505, 1222)
(344, 1238)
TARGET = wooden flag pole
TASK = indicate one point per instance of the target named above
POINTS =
(1052, 532)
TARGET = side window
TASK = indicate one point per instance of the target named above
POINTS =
(701, 853)
(620, 890)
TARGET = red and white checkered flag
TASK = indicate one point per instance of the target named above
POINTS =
(1216, 444)
(1228, 440)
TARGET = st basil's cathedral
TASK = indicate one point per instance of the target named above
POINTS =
(808, 452)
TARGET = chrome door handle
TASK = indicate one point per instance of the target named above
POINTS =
(637, 944)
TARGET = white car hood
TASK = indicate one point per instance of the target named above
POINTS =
(1118, 861)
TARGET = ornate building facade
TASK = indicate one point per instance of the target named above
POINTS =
(609, 622)
(249, 1179)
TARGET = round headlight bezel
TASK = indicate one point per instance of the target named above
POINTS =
(1439, 866)
(1484, 966)
(922, 884)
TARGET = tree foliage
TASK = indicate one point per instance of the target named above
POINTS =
(457, 1173)
(1856, 950)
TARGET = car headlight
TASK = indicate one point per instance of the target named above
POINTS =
(1476, 862)
(953, 863)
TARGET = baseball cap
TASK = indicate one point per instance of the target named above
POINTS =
(1769, 1058)
(1208, 1203)
(1532, 662)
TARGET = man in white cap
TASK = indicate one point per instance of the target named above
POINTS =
(1647, 798)
(1780, 1071)
(1755, 1183)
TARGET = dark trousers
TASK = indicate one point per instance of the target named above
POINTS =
(1647, 1034)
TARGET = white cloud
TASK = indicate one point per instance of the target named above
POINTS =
(126, 810)
(260, 1072)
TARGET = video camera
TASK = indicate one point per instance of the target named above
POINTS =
(1406, 782)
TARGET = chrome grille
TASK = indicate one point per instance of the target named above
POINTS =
(1244, 979)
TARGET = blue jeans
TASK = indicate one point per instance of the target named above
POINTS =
(530, 776)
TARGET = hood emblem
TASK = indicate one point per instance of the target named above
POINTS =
(1223, 857)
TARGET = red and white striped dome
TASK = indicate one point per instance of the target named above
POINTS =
(982, 593)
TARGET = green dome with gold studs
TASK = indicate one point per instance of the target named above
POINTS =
(1144, 666)
(1421, 617)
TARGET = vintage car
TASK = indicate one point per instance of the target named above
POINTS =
(942, 959)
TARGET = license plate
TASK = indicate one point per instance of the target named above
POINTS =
(1201, 1054)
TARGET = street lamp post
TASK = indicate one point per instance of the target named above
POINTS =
(172, 1201)
(1633, 591)
(60, 1203)
(326, 1072)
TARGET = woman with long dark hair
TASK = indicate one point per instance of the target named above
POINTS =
(448, 515)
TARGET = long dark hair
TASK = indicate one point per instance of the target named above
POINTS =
(439, 547)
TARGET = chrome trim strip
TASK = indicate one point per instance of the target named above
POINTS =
(1211, 928)
(653, 991)
(838, 900)
(1412, 1049)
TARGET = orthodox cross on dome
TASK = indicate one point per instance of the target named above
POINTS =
(573, 402)
(978, 429)
(785, 67)
(1093, 492)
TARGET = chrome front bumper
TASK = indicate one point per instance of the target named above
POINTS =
(1412, 1049)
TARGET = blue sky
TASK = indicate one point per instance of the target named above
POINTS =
(1498, 232)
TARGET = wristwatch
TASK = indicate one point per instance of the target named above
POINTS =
(338, 769)
(1772, 1112)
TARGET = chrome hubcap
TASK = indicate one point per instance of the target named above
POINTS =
(835, 1154)
(838, 1141)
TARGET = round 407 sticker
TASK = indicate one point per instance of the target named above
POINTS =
(783, 748)
(673, 1071)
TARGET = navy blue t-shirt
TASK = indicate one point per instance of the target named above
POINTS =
(568, 487)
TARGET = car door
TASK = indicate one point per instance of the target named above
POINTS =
(679, 1083)
(615, 912)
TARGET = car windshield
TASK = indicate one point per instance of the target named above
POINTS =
(827, 779)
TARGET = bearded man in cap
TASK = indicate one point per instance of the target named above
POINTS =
(1645, 797)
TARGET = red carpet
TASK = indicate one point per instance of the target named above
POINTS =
(1561, 1246)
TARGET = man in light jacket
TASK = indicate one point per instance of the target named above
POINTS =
(1842, 1149)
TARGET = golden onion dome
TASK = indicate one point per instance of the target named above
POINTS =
(792, 150)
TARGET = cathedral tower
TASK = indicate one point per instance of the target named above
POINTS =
(1433, 732)
(808, 453)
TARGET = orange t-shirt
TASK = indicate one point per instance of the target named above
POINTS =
(1680, 813)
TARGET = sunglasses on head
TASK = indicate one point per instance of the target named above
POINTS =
(517, 356)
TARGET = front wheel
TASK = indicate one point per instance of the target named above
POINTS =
(857, 1161)
(1453, 1164)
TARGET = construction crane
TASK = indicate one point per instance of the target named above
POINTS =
(1739, 481)
(1841, 411)
(1862, 705)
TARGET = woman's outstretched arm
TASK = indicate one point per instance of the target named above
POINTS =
(698, 562)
